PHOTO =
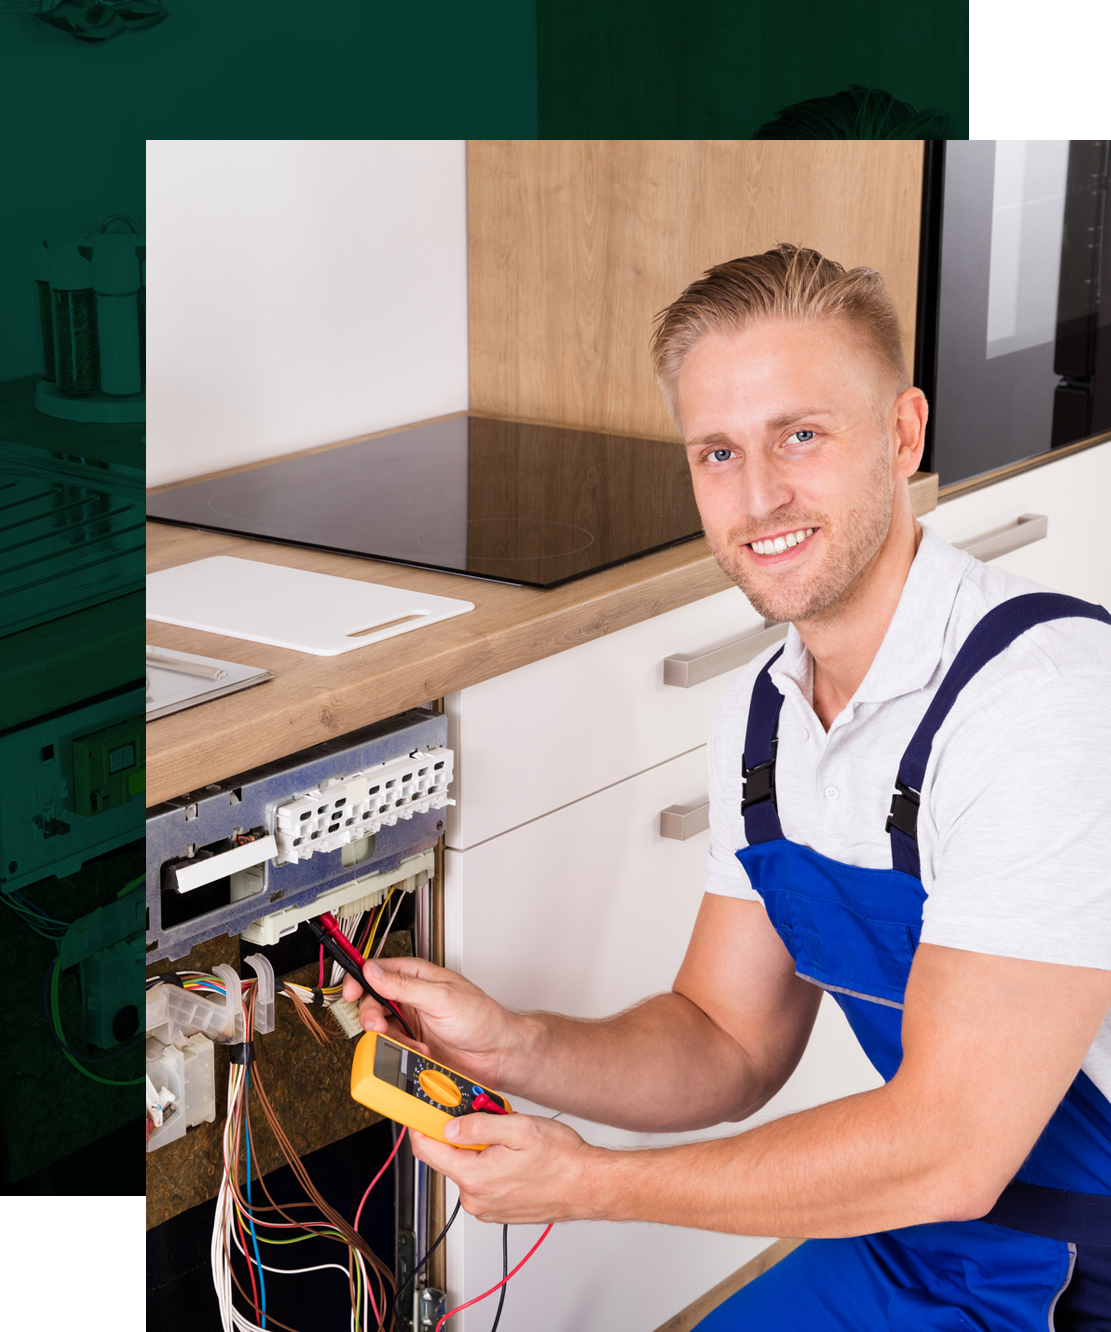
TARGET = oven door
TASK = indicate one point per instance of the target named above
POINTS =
(1020, 343)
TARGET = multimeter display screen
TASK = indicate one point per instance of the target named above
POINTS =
(387, 1064)
(410, 1072)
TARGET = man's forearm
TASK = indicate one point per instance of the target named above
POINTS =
(661, 1066)
(851, 1167)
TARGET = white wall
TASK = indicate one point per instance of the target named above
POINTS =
(300, 292)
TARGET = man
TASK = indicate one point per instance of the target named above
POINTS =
(967, 938)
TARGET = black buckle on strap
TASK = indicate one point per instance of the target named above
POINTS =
(759, 782)
(904, 812)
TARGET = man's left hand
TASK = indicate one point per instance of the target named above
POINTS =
(531, 1169)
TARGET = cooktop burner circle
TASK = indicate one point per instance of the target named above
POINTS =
(513, 539)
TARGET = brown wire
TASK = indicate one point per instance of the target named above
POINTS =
(354, 1240)
(318, 1033)
(286, 1147)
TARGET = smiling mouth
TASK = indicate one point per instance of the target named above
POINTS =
(779, 545)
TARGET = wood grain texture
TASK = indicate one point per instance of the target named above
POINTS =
(694, 1313)
(575, 245)
(923, 493)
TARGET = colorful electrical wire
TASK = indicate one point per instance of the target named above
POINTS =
(250, 1213)
(236, 1215)
(485, 1294)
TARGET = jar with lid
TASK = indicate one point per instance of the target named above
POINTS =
(73, 307)
(114, 251)
(40, 261)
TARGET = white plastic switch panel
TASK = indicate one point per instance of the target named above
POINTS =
(350, 808)
(356, 896)
(226, 863)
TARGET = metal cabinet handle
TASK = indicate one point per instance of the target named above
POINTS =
(685, 670)
(683, 821)
(1027, 527)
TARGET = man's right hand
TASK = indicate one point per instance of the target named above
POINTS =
(461, 1025)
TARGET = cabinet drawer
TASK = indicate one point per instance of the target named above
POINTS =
(1072, 491)
(538, 737)
(585, 911)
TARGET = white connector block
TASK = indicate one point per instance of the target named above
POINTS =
(346, 809)
(355, 896)
(181, 1087)
(347, 1015)
(173, 1012)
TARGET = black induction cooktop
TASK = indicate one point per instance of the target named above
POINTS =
(516, 503)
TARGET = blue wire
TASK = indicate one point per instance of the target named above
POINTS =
(26, 902)
(250, 1214)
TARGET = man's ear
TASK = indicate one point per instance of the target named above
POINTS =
(911, 413)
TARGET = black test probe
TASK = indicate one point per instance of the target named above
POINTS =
(326, 931)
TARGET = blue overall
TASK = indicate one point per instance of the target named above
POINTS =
(1041, 1259)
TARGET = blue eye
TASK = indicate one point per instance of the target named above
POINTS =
(721, 455)
(803, 436)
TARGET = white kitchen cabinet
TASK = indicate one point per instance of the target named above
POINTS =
(584, 911)
(1074, 492)
(558, 729)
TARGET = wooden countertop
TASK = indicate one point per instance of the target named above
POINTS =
(311, 698)
(314, 698)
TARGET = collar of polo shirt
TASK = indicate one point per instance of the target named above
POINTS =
(911, 651)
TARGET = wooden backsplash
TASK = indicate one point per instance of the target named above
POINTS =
(574, 245)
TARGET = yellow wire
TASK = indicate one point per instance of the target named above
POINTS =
(377, 922)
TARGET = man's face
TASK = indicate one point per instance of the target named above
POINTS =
(793, 475)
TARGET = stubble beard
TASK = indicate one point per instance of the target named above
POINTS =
(826, 592)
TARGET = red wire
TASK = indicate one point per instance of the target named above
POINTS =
(320, 983)
(452, 1312)
(378, 1176)
(250, 1265)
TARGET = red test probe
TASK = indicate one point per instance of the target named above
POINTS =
(328, 933)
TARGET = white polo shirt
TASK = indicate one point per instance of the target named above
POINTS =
(1014, 826)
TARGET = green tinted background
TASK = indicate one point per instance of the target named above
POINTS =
(77, 115)
(657, 69)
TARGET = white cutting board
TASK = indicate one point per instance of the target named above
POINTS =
(289, 608)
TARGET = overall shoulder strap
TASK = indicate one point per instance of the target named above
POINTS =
(758, 764)
(997, 630)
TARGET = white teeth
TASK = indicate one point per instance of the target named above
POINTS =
(779, 544)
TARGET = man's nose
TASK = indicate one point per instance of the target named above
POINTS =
(763, 487)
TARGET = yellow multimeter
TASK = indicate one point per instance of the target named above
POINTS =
(412, 1089)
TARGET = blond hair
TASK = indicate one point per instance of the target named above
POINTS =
(787, 282)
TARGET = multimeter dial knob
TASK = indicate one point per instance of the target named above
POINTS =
(439, 1087)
